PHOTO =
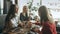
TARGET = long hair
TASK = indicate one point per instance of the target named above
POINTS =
(11, 13)
(43, 14)
(25, 9)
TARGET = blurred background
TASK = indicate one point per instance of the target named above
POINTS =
(33, 5)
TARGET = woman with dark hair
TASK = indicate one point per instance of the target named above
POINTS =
(11, 20)
(46, 21)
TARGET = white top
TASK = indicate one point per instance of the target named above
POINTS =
(15, 21)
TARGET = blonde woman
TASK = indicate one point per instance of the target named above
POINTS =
(24, 14)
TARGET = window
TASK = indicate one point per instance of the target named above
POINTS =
(1, 7)
(54, 6)
(32, 5)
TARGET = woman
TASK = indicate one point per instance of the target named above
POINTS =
(46, 21)
(11, 20)
(24, 14)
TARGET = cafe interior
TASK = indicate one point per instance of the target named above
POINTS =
(32, 26)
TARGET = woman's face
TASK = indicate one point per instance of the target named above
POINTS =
(25, 9)
(16, 9)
